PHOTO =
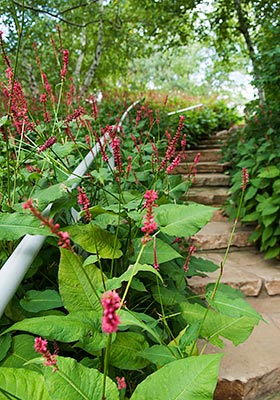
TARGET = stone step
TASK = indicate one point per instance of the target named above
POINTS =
(202, 167)
(208, 179)
(215, 235)
(213, 154)
(251, 371)
(212, 195)
(245, 270)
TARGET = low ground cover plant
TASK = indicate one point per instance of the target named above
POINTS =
(105, 311)
(257, 146)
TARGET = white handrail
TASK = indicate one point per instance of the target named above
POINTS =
(15, 268)
(185, 109)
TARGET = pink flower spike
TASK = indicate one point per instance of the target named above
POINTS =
(150, 224)
(196, 159)
(41, 345)
(121, 383)
(65, 64)
(245, 178)
(111, 303)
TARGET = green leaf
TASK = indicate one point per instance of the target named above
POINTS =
(35, 300)
(199, 266)
(272, 253)
(126, 351)
(267, 233)
(79, 286)
(236, 329)
(254, 216)
(230, 302)
(130, 318)
(164, 251)
(59, 191)
(14, 226)
(65, 329)
(63, 150)
(269, 172)
(276, 186)
(74, 381)
(95, 240)
(95, 339)
(4, 120)
(23, 384)
(193, 378)
(21, 351)
(167, 296)
(161, 355)
(5, 343)
(132, 270)
(183, 220)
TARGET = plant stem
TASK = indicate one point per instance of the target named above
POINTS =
(106, 363)
(210, 302)
(132, 274)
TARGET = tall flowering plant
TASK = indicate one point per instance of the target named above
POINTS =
(109, 289)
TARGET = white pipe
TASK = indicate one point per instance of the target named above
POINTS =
(185, 109)
(15, 268)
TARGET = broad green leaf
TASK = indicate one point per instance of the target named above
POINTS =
(74, 381)
(63, 150)
(183, 220)
(192, 378)
(132, 270)
(95, 339)
(64, 329)
(167, 296)
(21, 351)
(130, 318)
(14, 226)
(236, 329)
(53, 193)
(269, 172)
(5, 343)
(126, 350)
(23, 384)
(79, 286)
(230, 302)
(161, 355)
(95, 240)
(200, 266)
(276, 186)
(272, 253)
(35, 300)
(164, 251)
(186, 337)
(267, 233)
(4, 120)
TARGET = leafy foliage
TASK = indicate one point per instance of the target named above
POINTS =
(257, 148)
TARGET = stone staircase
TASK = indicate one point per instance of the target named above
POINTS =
(250, 371)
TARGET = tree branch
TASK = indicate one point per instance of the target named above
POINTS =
(54, 15)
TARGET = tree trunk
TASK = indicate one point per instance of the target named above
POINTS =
(245, 32)
(91, 72)
(77, 72)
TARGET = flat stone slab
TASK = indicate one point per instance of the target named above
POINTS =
(209, 179)
(208, 196)
(216, 235)
(251, 371)
(213, 154)
(248, 283)
(206, 166)
(245, 270)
